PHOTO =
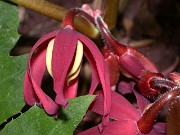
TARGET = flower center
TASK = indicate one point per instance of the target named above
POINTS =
(73, 73)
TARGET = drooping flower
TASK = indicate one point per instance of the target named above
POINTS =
(60, 53)
(124, 117)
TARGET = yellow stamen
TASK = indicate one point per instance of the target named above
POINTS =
(73, 76)
(77, 63)
(49, 56)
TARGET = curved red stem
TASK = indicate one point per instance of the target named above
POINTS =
(146, 122)
(111, 42)
(68, 19)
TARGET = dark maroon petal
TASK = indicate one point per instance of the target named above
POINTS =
(125, 87)
(102, 70)
(29, 94)
(43, 41)
(34, 76)
(113, 66)
(97, 105)
(63, 52)
(37, 65)
(121, 109)
(128, 88)
(37, 68)
(126, 127)
(141, 101)
(48, 104)
(94, 77)
(71, 90)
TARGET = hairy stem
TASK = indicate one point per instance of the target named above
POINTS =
(56, 12)
(69, 17)
(108, 38)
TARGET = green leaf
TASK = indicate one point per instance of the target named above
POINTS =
(37, 122)
(12, 69)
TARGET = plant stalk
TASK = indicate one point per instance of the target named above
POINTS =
(146, 122)
(43, 7)
(56, 12)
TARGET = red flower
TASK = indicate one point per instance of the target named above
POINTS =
(64, 65)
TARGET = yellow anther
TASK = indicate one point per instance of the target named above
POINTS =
(49, 56)
(73, 76)
(77, 63)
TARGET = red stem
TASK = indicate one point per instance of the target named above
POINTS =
(146, 122)
(109, 40)
(69, 17)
